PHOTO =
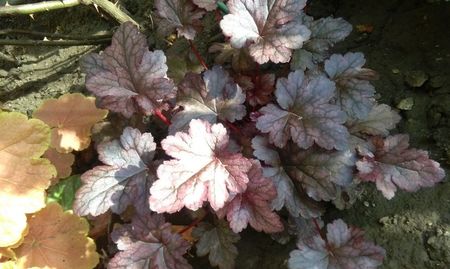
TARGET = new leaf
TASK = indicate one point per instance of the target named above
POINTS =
(124, 179)
(202, 170)
(127, 78)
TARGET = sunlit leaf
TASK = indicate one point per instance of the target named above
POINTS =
(64, 192)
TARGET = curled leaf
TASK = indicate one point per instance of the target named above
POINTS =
(253, 206)
(202, 170)
(124, 179)
(213, 97)
(127, 78)
(179, 14)
(148, 242)
(268, 26)
(394, 165)
(71, 118)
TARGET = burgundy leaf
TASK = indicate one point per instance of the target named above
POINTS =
(215, 96)
(148, 243)
(355, 95)
(294, 199)
(393, 164)
(179, 14)
(344, 248)
(269, 26)
(258, 88)
(203, 170)
(209, 5)
(127, 78)
(380, 120)
(218, 241)
(325, 32)
(305, 114)
(124, 179)
(253, 206)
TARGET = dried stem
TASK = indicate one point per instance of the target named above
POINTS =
(192, 224)
(197, 54)
(54, 42)
(44, 6)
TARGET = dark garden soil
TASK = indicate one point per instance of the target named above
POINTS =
(409, 46)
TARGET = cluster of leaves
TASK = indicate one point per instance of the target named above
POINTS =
(280, 123)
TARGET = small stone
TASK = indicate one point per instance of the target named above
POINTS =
(406, 104)
(366, 204)
(395, 71)
(437, 81)
(415, 78)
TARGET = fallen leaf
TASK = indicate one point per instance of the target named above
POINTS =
(71, 118)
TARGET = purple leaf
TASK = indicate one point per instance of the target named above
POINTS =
(209, 5)
(325, 33)
(127, 78)
(294, 199)
(305, 114)
(124, 179)
(179, 14)
(393, 164)
(355, 95)
(258, 88)
(218, 241)
(202, 170)
(344, 248)
(380, 120)
(148, 243)
(268, 26)
(253, 206)
(215, 96)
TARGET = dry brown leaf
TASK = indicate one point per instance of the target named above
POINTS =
(24, 176)
(62, 162)
(57, 239)
(71, 118)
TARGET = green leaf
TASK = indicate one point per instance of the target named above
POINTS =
(64, 192)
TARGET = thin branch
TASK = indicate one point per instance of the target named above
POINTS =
(52, 43)
(54, 35)
(44, 6)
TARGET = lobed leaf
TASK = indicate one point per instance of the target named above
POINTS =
(218, 241)
(305, 114)
(127, 78)
(268, 26)
(379, 121)
(62, 162)
(24, 175)
(64, 191)
(394, 165)
(148, 242)
(253, 206)
(124, 179)
(181, 15)
(343, 248)
(213, 97)
(71, 118)
(202, 170)
(325, 32)
(56, 239)
(355, 95)
(209, 5)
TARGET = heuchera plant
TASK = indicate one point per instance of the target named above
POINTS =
(245, 139)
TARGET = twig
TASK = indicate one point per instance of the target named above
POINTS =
(18, 42)
(54, 35)
(38, 7)
(44, 6)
